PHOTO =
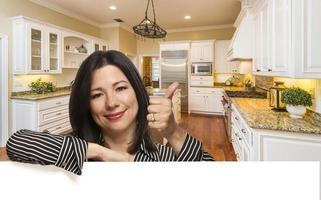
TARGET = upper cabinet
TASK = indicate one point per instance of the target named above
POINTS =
(76, 49)
(41, 48)
(36, 48)
(287, 39)
(222, 65)
(202, 51)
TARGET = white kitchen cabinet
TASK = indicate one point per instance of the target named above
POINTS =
(287, 38)
(202, 81)
(241, 137)
(206, 100)
(48, 114)
(262, 39)
(77, 48)
(306, 29)
(270, 145)
(36, 47)
(222, 65)
(202, 51)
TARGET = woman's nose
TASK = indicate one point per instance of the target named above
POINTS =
(111, 102)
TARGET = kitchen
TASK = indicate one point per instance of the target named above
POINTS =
(220, 69)
(237, 62)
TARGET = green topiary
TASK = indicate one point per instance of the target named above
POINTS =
(41, 87)
(296, 96)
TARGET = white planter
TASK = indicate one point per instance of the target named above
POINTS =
(296, 112)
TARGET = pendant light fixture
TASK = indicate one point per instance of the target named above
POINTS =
(148, 28)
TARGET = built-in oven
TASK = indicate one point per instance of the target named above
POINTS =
(201, 69)
(227, 104)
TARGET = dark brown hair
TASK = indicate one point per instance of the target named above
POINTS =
(81, 120)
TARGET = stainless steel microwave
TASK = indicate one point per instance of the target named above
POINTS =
(202, 69)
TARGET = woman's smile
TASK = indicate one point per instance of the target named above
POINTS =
(113, 117)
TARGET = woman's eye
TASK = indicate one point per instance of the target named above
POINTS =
(119, 89)
(94, 96)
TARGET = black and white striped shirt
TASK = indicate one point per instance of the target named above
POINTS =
(69, 152)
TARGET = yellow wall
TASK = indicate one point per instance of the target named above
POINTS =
(127, 42)
(112, 36)
(149, 46)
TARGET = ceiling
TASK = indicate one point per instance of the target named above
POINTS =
(169, 13)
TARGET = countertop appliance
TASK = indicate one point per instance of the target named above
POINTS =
(173, 64)
(276, 96)
(201, 69)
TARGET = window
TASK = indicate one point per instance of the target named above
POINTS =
(155, 69)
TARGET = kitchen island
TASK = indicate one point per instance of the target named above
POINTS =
(261, 134)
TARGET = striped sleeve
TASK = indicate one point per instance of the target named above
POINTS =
(47, 149)
(192, 151)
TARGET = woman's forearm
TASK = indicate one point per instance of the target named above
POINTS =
(101, 153)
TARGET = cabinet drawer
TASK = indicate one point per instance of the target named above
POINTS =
(57, 127)
(52, 114)
(201, 83)
(244, 131)
(53, 103)
(202, 78)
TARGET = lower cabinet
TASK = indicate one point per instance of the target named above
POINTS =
(48, 114)
(286, 146)
(270, 145)
(206, 100)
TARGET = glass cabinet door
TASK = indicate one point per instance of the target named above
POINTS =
(97, 47)
(36, 49)
(53, 51)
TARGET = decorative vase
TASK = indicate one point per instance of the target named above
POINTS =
(296, 112)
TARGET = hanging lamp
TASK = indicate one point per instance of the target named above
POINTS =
(148, 28)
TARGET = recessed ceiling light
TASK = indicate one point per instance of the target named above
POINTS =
(112, 7)
(187, 17)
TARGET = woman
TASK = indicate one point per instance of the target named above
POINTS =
(110, 114)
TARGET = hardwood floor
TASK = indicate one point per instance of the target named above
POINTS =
(210, 130)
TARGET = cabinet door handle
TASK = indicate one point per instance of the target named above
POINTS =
(58, 103)
(269, 70)
(236, 118)
(59, 127)
(243, 130)
(258, 70)
(58, 113)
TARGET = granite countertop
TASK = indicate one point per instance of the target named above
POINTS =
(228, 88)
(258, 114)
(34, 97)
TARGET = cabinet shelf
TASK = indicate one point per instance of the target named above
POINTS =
(76, 53)
(36, 41)
(36, 56)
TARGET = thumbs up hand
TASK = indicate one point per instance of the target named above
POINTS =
(160, 115)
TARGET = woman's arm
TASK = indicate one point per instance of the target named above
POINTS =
(47, 149)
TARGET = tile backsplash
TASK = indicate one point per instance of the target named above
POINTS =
(21, 82)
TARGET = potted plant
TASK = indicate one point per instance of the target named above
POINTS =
(296, 100)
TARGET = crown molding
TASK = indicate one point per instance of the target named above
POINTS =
(200, 28)
(119, 25)
(64, 11)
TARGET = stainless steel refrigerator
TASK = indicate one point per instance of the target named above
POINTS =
(173, 66)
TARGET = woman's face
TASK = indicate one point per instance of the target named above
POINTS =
(113, 102)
